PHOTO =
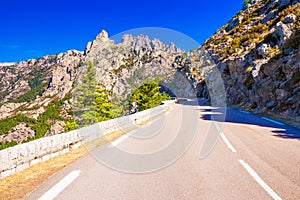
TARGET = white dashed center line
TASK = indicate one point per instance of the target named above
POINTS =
(259, 180)
(60, 186)
(229, 145)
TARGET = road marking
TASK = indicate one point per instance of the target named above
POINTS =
(61, 185)
(244, 112)
(211, 113)
(276, 122)
(229, 145)
(259, 180)
(150, 122)
(118, 141)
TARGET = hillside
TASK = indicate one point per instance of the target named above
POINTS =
(252, 62)
(257, 54)
(36, 95)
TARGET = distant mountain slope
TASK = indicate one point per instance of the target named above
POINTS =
(36, 95)
(7, 64)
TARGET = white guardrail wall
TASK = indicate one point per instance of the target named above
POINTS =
(22, 156)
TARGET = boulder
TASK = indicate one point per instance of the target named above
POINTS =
(289, 19)
(18, 134)
(263, 50)
(283, 32)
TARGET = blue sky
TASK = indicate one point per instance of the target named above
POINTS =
(33, 28)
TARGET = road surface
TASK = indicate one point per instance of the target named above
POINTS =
(253, 158)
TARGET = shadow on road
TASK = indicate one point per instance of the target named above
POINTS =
(235, 116)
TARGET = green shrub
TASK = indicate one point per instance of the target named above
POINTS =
(148, 95)
(246, 3)
(70, 125)
(40, 129)
(7, 144)
(184, 55)
(8, 123)
(31, 95)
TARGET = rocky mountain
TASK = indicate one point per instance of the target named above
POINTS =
(36, 95)
(252, 62)
(257, 54)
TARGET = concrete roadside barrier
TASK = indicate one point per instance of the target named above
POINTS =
(20, 157)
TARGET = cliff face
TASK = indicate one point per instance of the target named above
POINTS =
(35, 95)
(257, 54)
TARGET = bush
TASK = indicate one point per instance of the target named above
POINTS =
(70, 125)
(7, 144)
(249, 69)
(41, 129)
(8, 123)
(147, 95)
(246, 3)
(184, 55)
(31, 95)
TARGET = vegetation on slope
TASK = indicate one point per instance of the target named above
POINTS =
(40, 125)
(91, 104)
(147, 95)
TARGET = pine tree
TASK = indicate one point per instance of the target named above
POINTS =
(103, 107)
(91, 103)
(85, 98)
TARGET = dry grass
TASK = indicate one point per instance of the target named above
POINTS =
(18, 185)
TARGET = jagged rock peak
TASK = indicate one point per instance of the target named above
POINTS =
(143, 43)
(101, 37)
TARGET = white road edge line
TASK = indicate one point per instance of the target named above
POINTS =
(229, 145)
(60, 186)
(276, 122)
(242, 111)
(259, 180)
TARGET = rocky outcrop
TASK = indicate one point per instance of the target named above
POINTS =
(257, 54)
(18, 134)
(122, 67)
(7, 109)
(101, 38)
(29, 88)
(56, 128)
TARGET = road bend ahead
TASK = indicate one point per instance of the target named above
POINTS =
(254, 158)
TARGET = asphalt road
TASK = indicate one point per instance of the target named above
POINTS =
(253, 158)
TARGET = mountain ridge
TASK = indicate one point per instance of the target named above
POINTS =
(36, 95)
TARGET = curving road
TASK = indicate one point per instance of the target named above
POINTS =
(253, 158)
